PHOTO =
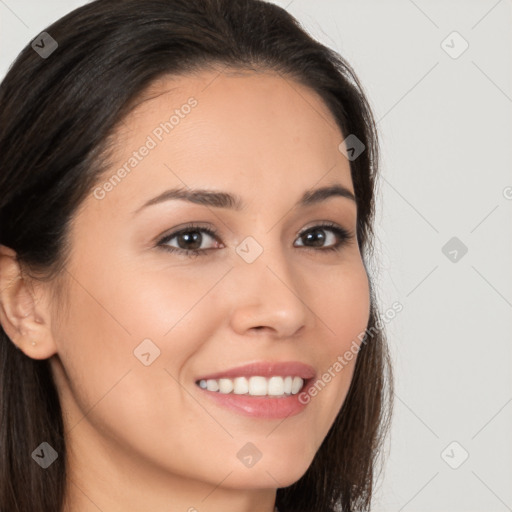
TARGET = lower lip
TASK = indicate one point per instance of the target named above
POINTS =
(259, 406)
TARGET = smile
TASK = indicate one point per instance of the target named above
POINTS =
(261, 389)
(275, 386)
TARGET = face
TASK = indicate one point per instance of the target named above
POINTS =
(278, 284)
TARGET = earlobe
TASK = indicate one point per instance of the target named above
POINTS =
(22, 315)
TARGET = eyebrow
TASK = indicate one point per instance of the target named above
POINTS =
(220, 199)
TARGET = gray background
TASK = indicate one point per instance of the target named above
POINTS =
(445, 125)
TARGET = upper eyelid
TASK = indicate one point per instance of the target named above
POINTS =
(177, 231)
(210, 231)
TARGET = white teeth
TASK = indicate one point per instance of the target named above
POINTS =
(225, 385)
(288, 385)
(258, 386)
(240, 386)
(296, 385)
(255, 386)
(212, 385)
(275, 386)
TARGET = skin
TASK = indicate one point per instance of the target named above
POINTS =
(144, 437)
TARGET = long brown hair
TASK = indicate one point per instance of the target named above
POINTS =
(56, 114)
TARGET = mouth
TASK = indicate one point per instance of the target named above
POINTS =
(261, 389)
(275, 386)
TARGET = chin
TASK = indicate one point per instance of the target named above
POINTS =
(262, 480)
(275, 473)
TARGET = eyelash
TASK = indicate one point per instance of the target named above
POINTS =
(343, 234)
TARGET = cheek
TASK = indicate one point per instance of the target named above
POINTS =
(344, 307)
(111, 315)
(343, 312)
(121, 317)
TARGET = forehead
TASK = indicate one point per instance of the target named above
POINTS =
(239, 104)
(252, 132)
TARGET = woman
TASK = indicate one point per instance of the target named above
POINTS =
(185, 227)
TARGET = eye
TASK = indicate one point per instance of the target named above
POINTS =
(317, 236)
(189, 240)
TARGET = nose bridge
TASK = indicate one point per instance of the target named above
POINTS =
(268, 291)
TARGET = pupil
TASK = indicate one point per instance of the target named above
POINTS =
(196, 237)
(312, 238)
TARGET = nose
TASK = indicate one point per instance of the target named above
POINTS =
(267, 297)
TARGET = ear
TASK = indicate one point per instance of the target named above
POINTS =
(24, 312)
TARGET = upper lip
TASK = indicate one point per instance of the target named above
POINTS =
(265, 369)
